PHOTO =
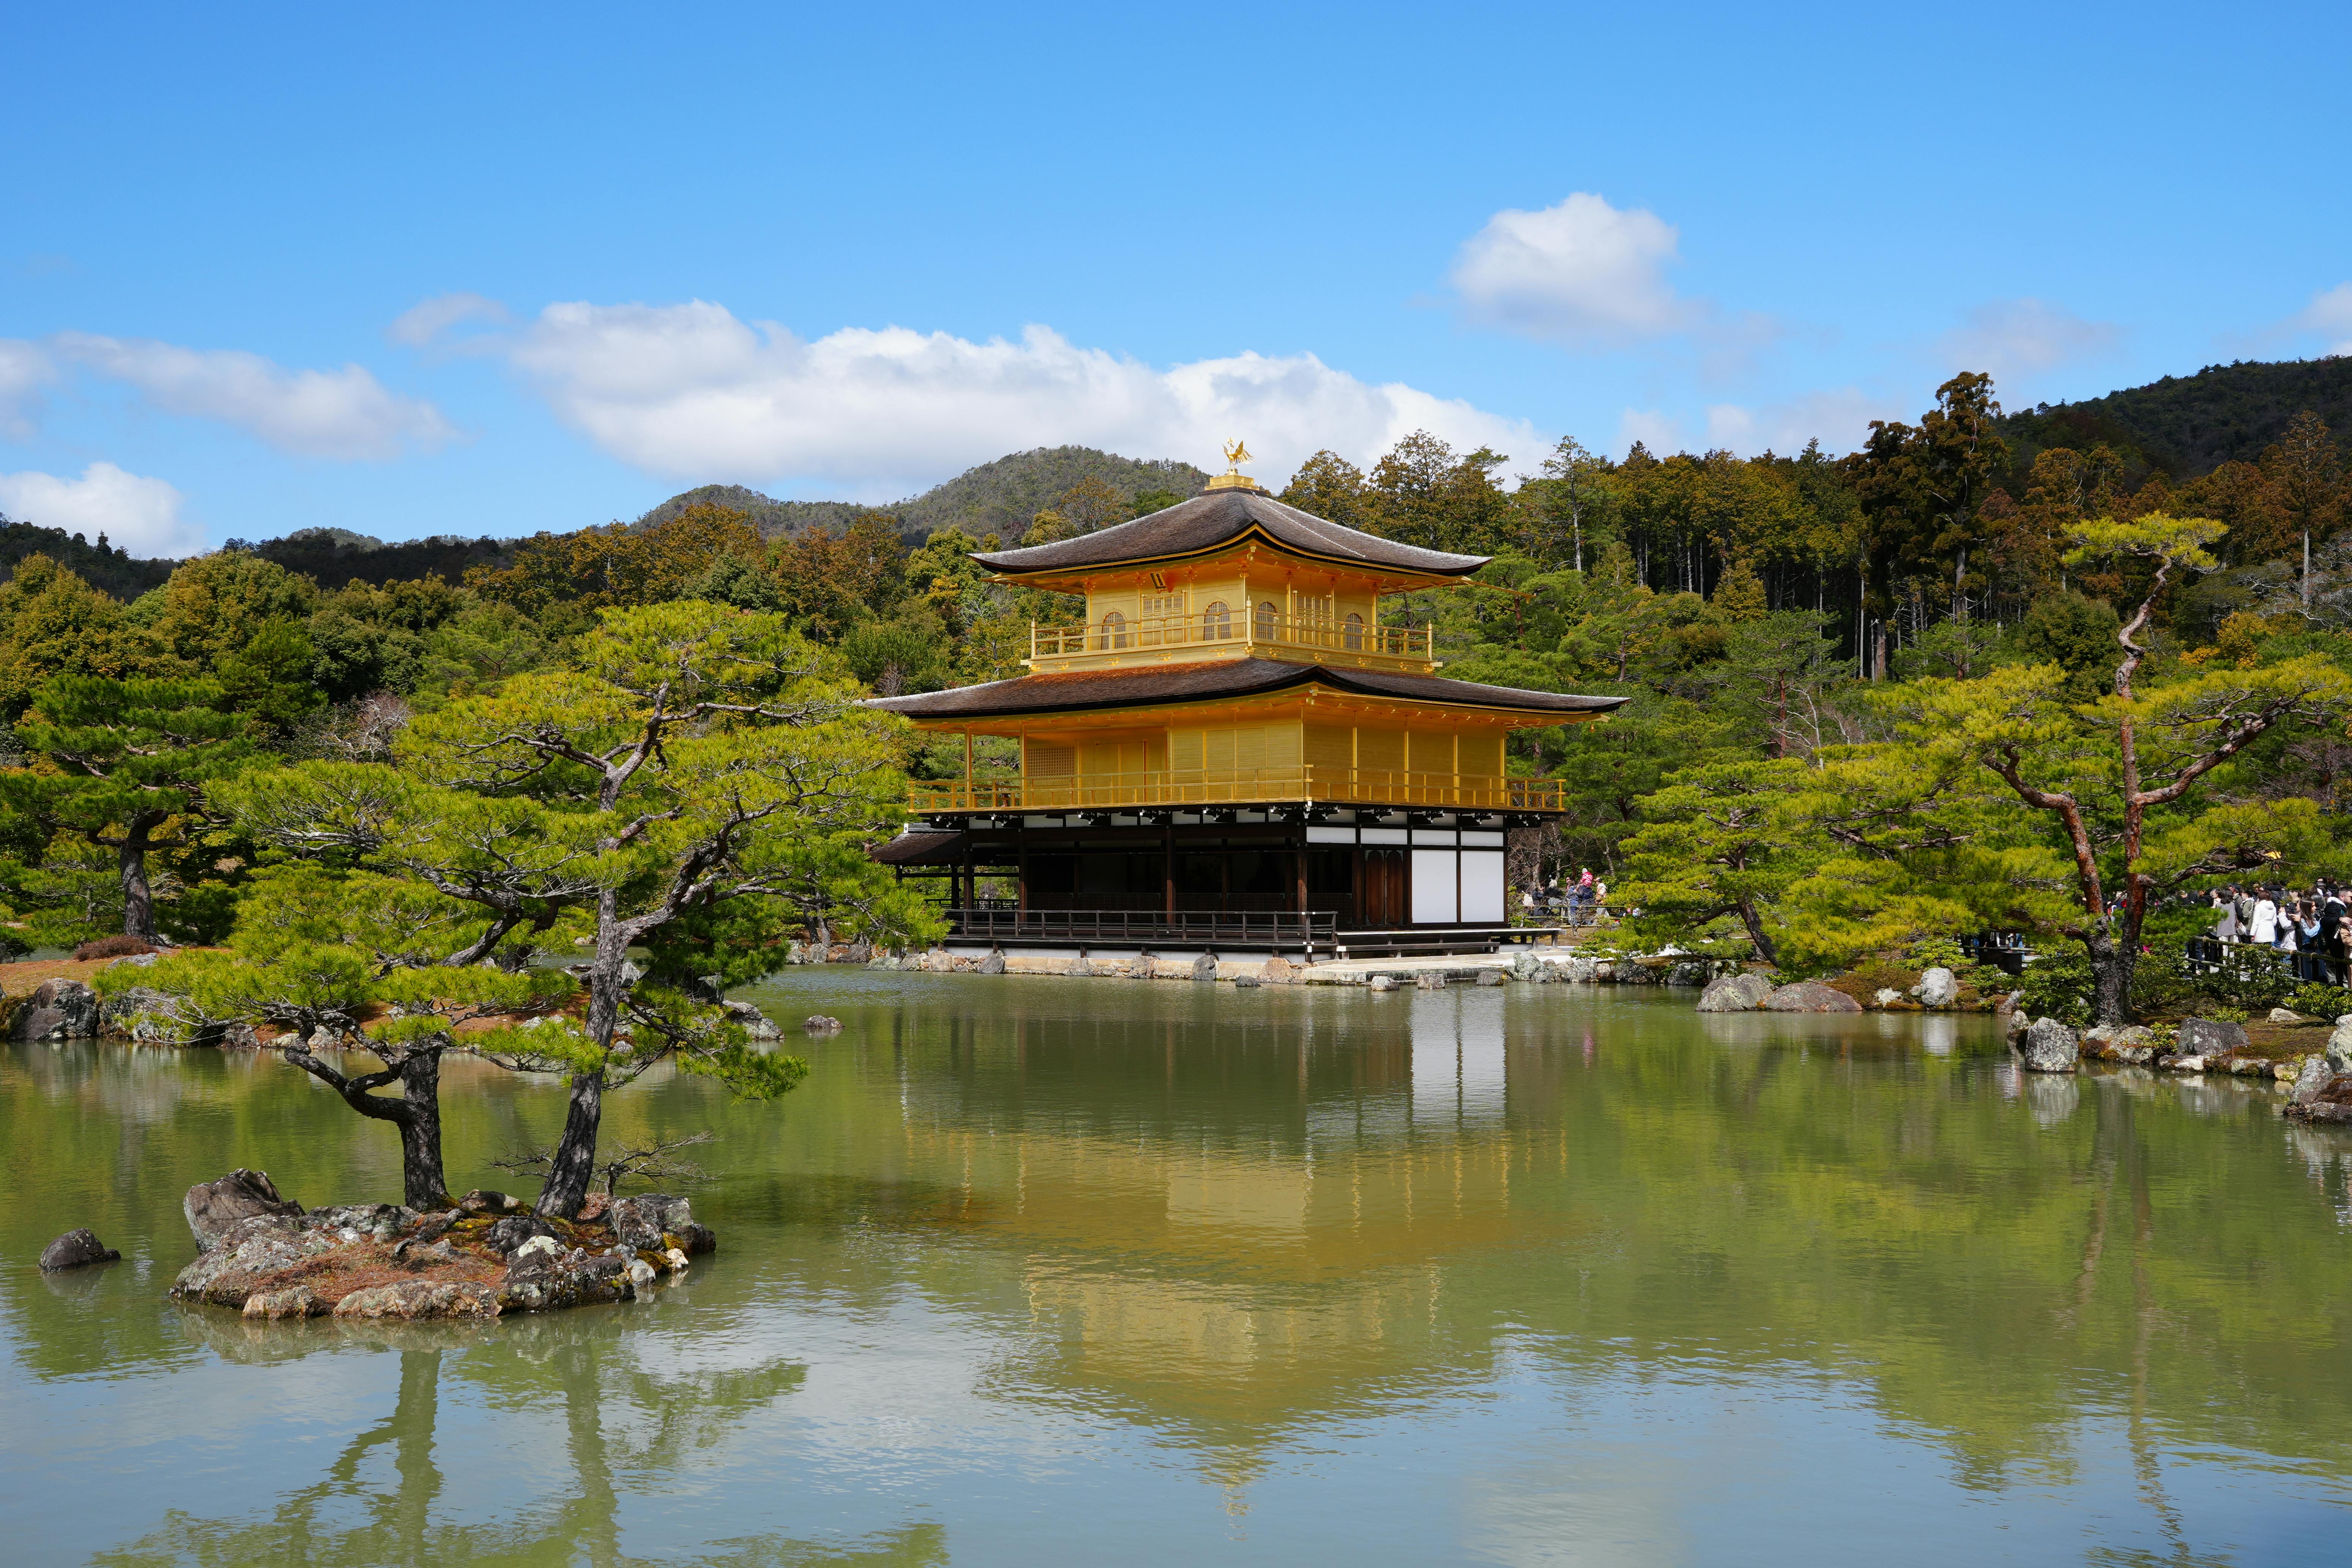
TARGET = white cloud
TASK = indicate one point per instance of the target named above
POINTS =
(139, 515)
(1582, 273)
(2016, 339)
(1661, 432)
(25, 369)
(420, 323)
(2329, 315)
(690, 391)
(1838, 419)
(345, 414)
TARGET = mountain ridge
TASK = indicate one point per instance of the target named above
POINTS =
(2188, 426)
(998, 497)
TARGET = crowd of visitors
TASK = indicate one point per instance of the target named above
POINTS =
(1579, 902)
(2309, 927)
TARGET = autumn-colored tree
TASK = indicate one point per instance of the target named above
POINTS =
(618, 565)
(52, 622)
(2308, 470)
(2244, 499)
(2064, 488)
(213, 604)
(1091, 504)
(831, 582)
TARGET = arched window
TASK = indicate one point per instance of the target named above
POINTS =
(1114, 630)
(1216, 622)
(1355, 634)
(1266, 619)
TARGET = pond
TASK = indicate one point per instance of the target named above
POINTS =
(1065, 1270)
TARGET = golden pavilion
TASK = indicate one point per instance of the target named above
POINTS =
(1232, 749)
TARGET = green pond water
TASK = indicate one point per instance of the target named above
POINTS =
(1108, 1271)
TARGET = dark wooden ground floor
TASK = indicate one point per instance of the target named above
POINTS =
(1348, 870)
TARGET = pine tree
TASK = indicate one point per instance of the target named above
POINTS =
(699, 784)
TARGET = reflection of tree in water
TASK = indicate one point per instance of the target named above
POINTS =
(357, 1514)
(1228, 1243)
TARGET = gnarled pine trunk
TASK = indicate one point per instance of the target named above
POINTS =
(138, 897)
(574, 1161)
(423, 1183)
(2112, 960)
(417, 1112)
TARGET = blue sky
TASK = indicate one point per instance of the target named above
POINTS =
(491, 270)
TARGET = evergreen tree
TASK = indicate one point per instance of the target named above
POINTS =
(2007, 800)
(698, 784)
(1710, 847)
(363, 961)
(126, 765)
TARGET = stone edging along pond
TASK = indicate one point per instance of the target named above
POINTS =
(1523, 965)
(485, 1256)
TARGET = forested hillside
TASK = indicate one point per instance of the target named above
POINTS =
(337, 556)
(770, 516)
(103, 566)
(1000, 498)
(2188, 426)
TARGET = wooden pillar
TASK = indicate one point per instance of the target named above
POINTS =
(1020, 853)
(1168, 864)
(968, 799)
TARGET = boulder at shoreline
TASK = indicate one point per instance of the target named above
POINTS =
(1735, 994)
(1810, 996)
(2208, 1037)
(1939, 988)
(57, 1010)
(2049, 1046)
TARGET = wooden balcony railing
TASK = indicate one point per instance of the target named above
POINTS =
(1176, 638)
(1281, 929)
(1237, 787)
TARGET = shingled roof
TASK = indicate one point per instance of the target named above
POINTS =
(1217, 519)
(1078, 693)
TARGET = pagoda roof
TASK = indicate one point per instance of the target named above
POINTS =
(921, 846)
(1217, 519)
(1083, 691)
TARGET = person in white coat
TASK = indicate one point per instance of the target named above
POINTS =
(2265, 930)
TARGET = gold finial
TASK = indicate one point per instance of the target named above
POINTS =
(1233, 479)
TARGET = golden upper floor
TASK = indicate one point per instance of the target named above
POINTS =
(1230, 574)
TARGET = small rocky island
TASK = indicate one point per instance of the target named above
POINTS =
(485, 1255)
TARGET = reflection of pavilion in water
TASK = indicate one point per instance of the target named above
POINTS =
(1272, 1267)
